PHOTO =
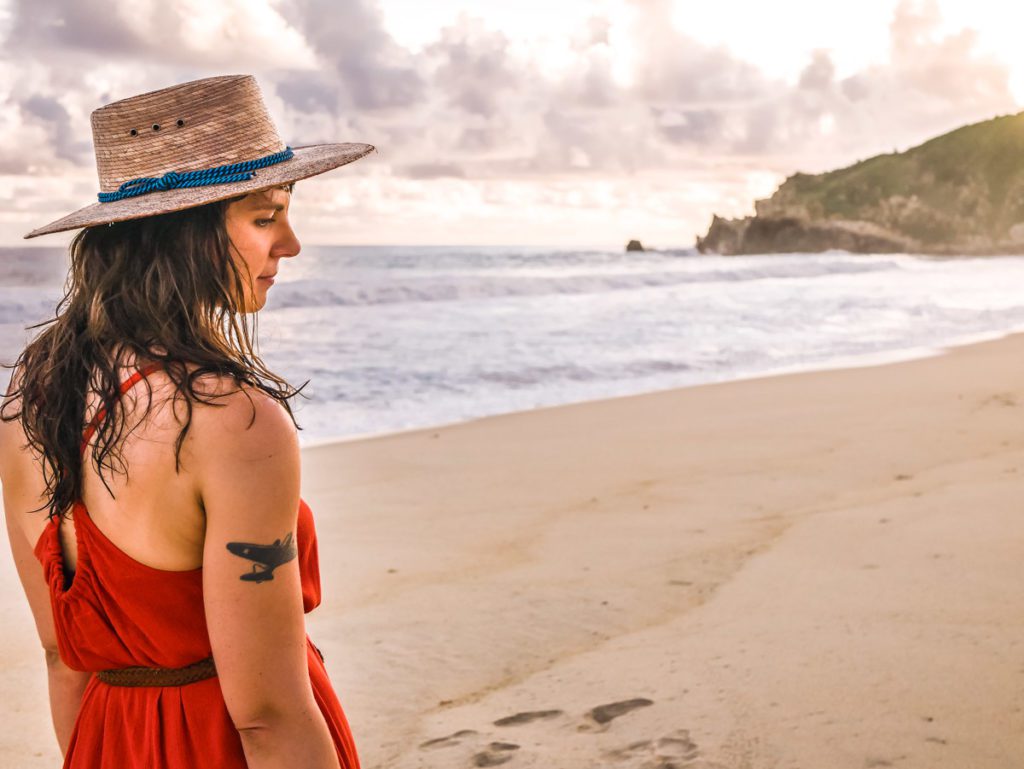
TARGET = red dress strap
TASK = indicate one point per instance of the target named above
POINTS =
(126, 385)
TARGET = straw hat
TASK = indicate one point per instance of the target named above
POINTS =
(191, 144)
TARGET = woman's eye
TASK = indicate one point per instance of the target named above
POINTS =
(264, 222)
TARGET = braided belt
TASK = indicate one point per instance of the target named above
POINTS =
(197, 671)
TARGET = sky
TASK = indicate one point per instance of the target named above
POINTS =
(563, 122)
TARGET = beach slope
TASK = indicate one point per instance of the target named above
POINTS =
(809, 570)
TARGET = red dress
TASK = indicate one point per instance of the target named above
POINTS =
(120, 613)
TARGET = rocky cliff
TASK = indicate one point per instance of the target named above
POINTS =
(959, 193)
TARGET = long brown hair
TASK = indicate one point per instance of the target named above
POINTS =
(163, 289)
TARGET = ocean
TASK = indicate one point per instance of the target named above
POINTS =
(398, 337)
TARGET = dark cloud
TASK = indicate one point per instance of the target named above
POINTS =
(309, 91)
(855, 87)
(14, 163)
(369, 68)
(472, 68)
(474, 140)
(694, 126)
(432, 171)
(87, 25)
(68, 144)
(819, 73)
(45, 107)
(591, 86)
(148, 34)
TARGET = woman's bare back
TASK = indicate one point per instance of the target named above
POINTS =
(151, 513)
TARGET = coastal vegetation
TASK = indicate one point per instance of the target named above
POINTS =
(958, 193)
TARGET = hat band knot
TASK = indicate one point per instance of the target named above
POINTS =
(233, 172)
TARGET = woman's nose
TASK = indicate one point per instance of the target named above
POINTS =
(289, 245)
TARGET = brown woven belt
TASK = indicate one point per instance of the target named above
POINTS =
(197, 671)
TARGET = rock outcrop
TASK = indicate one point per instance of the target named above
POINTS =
(961, 193)
(773, 235)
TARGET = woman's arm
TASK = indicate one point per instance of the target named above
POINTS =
(248, 478)
(66, 687)
(20, 494)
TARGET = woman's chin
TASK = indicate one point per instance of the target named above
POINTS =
(256, 299)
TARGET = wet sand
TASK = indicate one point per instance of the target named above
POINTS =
(810, 570)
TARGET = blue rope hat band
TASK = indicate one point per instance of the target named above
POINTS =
(233, 172)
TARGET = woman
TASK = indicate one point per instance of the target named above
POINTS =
(149, 459)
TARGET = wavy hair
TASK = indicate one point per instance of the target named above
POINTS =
(162, 289)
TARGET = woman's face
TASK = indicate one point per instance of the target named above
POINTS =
(261, 236)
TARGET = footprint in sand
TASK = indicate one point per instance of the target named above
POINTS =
(673, 751)
(1000, 399)
(449, 741)
(526, 717)
(603, 714)
(632, 750)
(496, 753)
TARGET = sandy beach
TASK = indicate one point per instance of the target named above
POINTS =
(818, 570)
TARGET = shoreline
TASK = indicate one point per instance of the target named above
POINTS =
(845, 363)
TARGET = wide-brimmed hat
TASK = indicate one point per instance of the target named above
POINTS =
(190, 144)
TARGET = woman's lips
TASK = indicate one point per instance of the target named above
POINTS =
(269, 279)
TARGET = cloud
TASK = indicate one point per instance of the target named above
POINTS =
(67, 143)
(432, 171)
(677, 70)
(365, 65)
(185, 33)
(86, 25)
(931, 83)
(472, 67)
(819, 74)
(478, 107)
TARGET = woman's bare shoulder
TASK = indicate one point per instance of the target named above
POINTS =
(246, 456)
(239, 418)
